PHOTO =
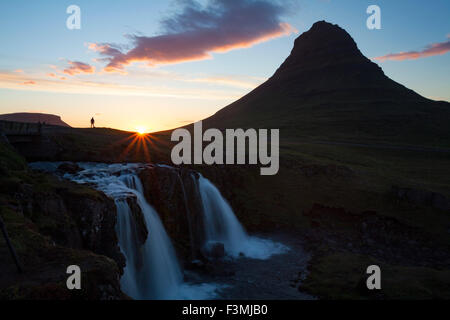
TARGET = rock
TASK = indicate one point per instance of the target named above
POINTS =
(70, 167)
(216, 250)
(74, 217)
(138, 220)
(173, 192)
(196, 265)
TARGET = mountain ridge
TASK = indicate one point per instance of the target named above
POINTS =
(327, 89)
(34, 117)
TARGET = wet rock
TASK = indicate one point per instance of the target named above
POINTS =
(73, 216)
(138, 220)
(216, 250)
(96, 218)
(69, 167)
(173, 192)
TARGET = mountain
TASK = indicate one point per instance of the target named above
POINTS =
(50, 119)
(327, 89)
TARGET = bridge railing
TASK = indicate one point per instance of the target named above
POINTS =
(11, 128)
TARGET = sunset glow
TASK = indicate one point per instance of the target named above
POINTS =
(141, 130)
(160, 68)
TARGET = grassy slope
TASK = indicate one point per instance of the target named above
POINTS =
(267, 203)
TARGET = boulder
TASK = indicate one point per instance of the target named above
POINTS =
(70, 167)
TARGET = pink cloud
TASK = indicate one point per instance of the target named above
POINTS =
(433, 49)
(198, 31)
(29, 82)
(77, 67)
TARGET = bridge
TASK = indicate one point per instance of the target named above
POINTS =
(10, 128)
(18, 132)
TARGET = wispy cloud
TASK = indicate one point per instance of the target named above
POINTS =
(232, 81)
(433, 49)
(44, 83)
(76, 67)
(197, 31)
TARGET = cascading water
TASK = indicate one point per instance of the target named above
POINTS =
(152, 270)
(222, 226)
(159, 276)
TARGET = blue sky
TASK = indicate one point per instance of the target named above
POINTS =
(37, 48)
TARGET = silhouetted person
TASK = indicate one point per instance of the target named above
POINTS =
(92, 123)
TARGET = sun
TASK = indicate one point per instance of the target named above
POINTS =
(141, 130)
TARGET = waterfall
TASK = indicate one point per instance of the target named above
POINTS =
(162, 276)
(222, 226)
(152, 270)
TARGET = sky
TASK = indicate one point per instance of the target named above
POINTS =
(156, 65)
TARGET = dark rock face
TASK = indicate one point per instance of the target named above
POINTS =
(139, 226)
(216, 250)
(53, 224)
(173, 192)
(69, 167)
(96, 219)
(74, 220)
(139, 231)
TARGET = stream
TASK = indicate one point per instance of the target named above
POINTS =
(252, 267)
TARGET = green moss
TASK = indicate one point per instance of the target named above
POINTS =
(9, 159)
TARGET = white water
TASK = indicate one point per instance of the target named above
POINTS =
(222, 226)
(152, 270)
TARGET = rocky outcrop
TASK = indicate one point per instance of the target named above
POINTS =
(173, 192)
(53, 224)
(95, 218)
(72, 216)
(45, 264)
(69, 167)
(139, 226)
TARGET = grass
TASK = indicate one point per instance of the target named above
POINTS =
(278, 202)
(343, 276)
